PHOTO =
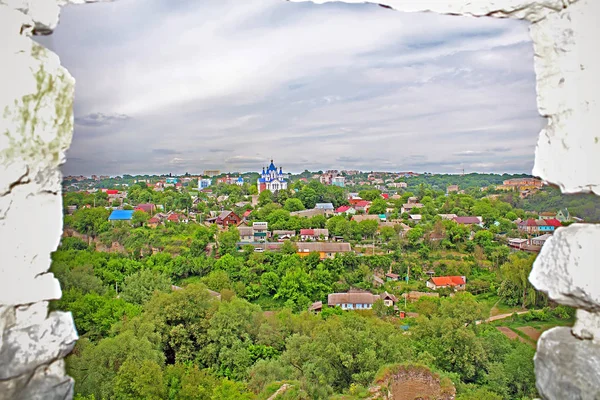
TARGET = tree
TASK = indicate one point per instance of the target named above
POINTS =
(139, 218)
(140, 381)
(139, 287)
(265, 197)
(90, 221)
(378, 206)
(228, 240)
(293, 204)
(288, 247)
(516, 270)
(368, 227)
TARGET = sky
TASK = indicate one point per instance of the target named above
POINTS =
(172, 86)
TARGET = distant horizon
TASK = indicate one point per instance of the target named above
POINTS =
(299, 173)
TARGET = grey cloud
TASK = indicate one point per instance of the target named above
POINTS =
(165, 152)
(100, 119)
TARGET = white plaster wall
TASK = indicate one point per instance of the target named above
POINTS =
(35, 131)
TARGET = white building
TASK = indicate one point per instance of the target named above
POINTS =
(271, 179)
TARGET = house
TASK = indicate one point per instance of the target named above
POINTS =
(246, 214)
(317, 306)
(359, 218)
(547, 215)
(338, 181)
(553, 223)
(453, 282)
(543, 227)
(246, 234)
(517, 243)
(528, 226)
(355, 300)
(120, 215)
(452, 188)
(311, 213)
(362, 205)
(377, 281)
(153, 222)
(284, 235)
(448, 217)
(325, 249)
(314, 234)
(324, 206)
(261, 231)
(415, 217)
(408, 207)
(521, 184)
(416, 295)
(468, 220)
(177, 218)
(227, 218)
(145, 207)
(345, 210)
(563, 215)
(540, 240)
(392, 277)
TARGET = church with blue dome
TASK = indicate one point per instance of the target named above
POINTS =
(271, 179)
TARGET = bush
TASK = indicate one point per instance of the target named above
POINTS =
(563, 312)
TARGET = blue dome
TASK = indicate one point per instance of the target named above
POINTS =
(262, 180)
(272, 167)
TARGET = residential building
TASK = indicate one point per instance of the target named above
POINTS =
(211, 172)
(314, 234)
(283, 234)
(521, 184)
(452, 189)
(311, 213)
(415, 217)
(356, 300)
(120, 215)
(366, 217)
(408, 207)
(246, 234)
(528, 226)
(362, 205)
(339, 181)
(540, 240)
(563, 215)
(397, 185)
(392, 277)
(153, 222)
(345, 210)
(204, 183)
(517, 243)
(324, 206)
(317, 306)
(226, 218)
(452, 282)
(547, 215)
(325, 249)
(145, 207)
(469, 221)
(448, 217)
(271, 179)
(171, 180)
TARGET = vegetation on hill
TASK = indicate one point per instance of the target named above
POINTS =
(143, 337)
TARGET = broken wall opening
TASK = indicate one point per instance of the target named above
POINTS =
(565, 66)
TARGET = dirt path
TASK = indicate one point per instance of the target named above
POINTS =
(533, 333)
(279, 391)
(509, 333)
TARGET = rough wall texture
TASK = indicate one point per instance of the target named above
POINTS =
(36, 127)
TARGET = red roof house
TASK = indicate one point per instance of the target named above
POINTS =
(112, 191)
(146, 207)
(553, 222)
(455, 282)
(467, 220)
(385, 195)
(173, 218)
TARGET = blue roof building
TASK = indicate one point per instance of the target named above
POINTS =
(121, 215)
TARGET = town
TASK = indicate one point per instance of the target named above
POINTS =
(408, 249)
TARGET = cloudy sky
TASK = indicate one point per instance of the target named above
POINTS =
(182, 86)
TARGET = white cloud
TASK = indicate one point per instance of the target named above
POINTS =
(295, 81)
